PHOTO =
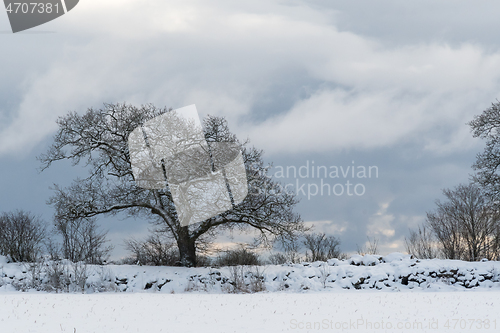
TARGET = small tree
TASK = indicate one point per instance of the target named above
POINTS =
(322, 247)
(466, 225)
(21, 236)
(82, 240)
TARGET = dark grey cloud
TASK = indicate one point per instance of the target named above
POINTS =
(405, 22)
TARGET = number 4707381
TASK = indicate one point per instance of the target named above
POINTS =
(32, 8)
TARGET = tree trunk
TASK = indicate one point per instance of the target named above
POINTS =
(187, 248)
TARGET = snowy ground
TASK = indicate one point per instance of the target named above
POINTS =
(339, 311)
(393, 293)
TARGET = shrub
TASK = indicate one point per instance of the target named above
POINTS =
(237, 257)
(21, 236)
(154, 251)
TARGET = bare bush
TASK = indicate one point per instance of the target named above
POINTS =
(237, 257)
(79, 275)
(370, 248)
(83, 241)
(324, 273)
(154, 251)
(277, 259)
(421, 243)
(58, 276)
(292, 251)
(237, 280)
(203, 260)
(34, 275)
(21, 236)
(321, 247)
(257, 280)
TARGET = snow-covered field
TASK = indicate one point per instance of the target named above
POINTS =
(342, 311)
(393, 293)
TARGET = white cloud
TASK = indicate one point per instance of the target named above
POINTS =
(328, 227)
(224, 56)
(423, 94)
(380, 224)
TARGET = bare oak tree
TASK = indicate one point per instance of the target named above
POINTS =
(98, 140)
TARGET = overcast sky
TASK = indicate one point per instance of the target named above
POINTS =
(389, 84)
